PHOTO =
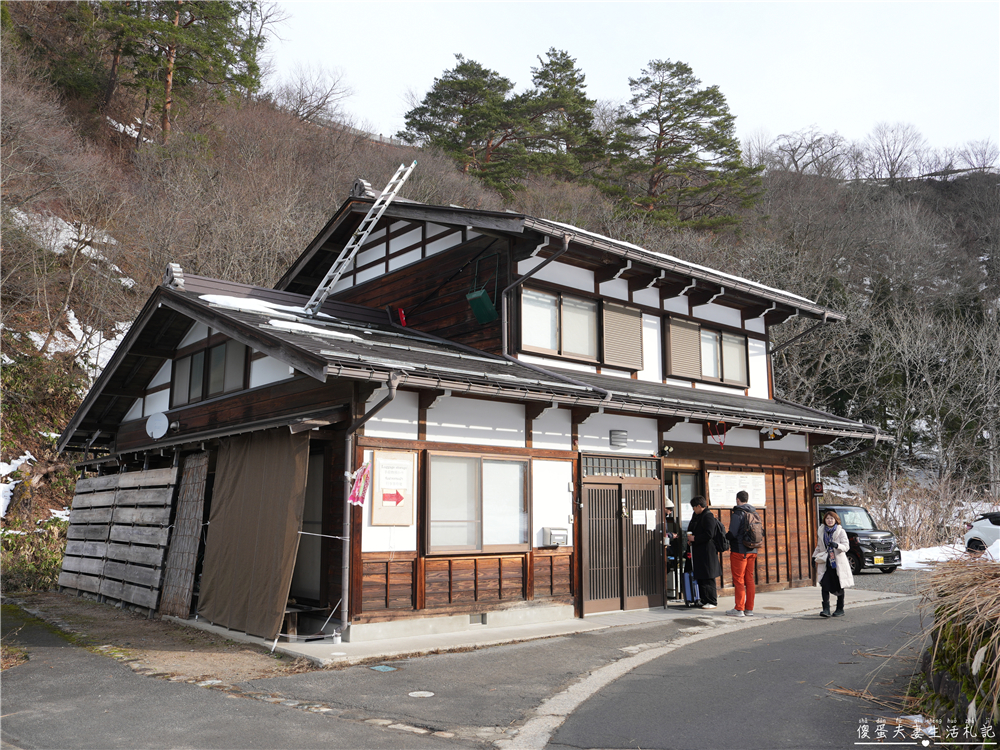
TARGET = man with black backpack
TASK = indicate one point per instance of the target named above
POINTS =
(746, 536)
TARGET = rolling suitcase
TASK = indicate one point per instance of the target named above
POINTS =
(691, 594)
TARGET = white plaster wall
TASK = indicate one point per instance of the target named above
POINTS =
(197, 332)
(159, 401)
(162, 375)
(684, 432)
(551, 498)
(135, 412)
(559, 364)
(743, 437)
(443, 243)
(617, 288)
(731, 390)
(559, 273)
(652, 358)
(398, 419)
(595, 434)
(405, 240)
(757, 364)
(678, 383)
(476, 422)
(369, 273)
(387, 538)
(553, 430)
(718, 314)
(370, 255)
(755, 324)
(611, 372)
(649, 297)
(269, 370)
(677, 305)
(788, 443)
(405, 259)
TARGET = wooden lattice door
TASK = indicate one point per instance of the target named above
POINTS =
(622, 556)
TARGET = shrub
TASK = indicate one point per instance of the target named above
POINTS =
(31, 558)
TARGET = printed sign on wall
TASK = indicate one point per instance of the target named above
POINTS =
(393, 491)
(723, 486)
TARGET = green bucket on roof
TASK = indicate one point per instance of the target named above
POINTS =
(479, 298)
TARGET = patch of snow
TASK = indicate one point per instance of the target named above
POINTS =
(256, 305)
(62, 515)
(11, 532)
(7, 488)
(918, 558)
(305, 328)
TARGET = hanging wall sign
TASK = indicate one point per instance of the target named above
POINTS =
(394, 488)
(723, 486)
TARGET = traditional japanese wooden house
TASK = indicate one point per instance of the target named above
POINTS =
(521, 408)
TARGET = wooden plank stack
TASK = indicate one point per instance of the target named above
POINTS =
(118, 534)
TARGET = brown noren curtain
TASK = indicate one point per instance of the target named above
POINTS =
(257, 504)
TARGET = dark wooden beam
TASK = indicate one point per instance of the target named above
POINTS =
(672, 288)
(701, 295)
(611, 271)
(582, 413)
(534, 409)
(778, 315)
(665, 424)
(753, 311)
(429, 399)
(151, 352)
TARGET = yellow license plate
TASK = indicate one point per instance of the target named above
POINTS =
(879, 560)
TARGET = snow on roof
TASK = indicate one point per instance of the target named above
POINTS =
(673, 259)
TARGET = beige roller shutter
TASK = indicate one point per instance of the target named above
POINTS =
(622, 336)
(685, 349)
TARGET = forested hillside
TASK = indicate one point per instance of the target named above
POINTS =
(137, 134)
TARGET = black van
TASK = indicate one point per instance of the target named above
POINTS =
(870, 548)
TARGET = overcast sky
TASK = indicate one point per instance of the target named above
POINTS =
(840, 66)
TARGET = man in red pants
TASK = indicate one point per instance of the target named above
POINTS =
(742, 559)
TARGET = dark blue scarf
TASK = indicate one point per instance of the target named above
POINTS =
(828, 533)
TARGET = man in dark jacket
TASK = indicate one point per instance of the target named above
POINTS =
(704, 556)
(742, 559)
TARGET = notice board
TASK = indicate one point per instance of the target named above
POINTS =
(393, 488)
(723, 486)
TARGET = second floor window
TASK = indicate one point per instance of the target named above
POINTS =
(210, 372)
(706, 354)
(558, 323)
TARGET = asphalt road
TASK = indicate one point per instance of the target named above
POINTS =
(766, 688)
(65, 696)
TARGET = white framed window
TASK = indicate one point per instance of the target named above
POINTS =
(477, 503)
(570, 326)
(209, 372)
(707, 354)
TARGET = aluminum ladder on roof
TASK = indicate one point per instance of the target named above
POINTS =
(347, 255)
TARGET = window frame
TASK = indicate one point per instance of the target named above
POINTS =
(742, 380)
(479, 547)
(560, 351)
(203, 349)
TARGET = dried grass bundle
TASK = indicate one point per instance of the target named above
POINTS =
(963, 595)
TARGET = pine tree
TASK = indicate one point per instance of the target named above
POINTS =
(675, 154)
(469, 114)
(563, 141)
(171, 46)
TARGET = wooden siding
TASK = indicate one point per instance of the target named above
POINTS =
(182, 560)
(118, 534)
(444, 312)
(784, 560)
(472, 580)
(287, 397)
(553, 576)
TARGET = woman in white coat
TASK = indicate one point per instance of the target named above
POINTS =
(833, 570)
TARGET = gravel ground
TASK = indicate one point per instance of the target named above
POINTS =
(899, 582)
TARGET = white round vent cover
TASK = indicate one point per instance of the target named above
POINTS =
(157, 425)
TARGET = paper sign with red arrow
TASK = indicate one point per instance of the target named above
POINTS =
(392, 498)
